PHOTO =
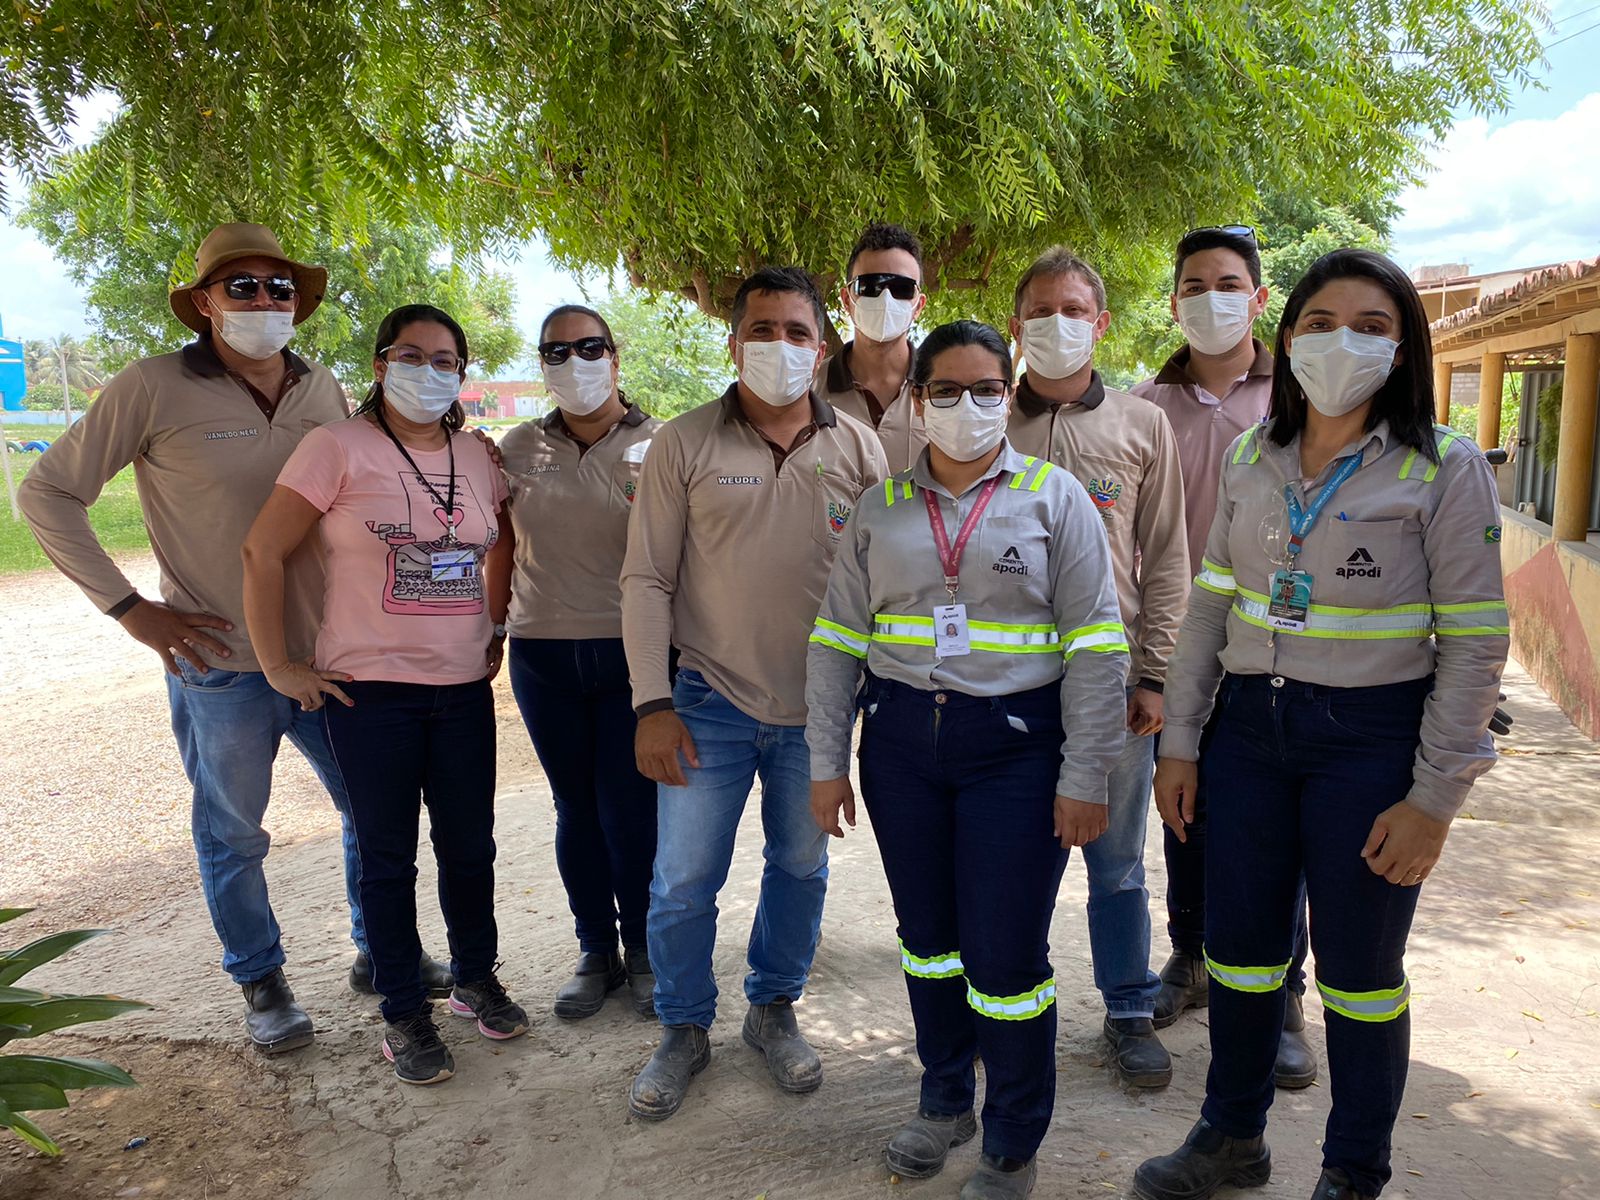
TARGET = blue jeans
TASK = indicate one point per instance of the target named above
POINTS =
(576, 703)
(1119, 905)
(400, 746)
(229, 725)
(961, 791)
(695, 829)
(1296, 774)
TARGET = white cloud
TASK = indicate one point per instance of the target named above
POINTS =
(1519, 195)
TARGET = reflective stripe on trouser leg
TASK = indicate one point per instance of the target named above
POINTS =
(937, 966)
(1383, 1005)
(1248, 979)
(1020, 1007)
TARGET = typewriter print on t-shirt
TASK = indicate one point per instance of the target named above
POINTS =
(431, 570)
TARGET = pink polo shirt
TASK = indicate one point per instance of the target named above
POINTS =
(1205, 426)
(404, 594)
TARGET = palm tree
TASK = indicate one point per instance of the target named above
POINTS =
(63, 357)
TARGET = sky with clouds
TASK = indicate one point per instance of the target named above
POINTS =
(1518, 189)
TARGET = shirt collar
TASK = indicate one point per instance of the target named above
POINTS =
(840, 378)
(1007, 460)
(1176, 369)
(200, 356)
(555, 422)
(821, 411)
(1034, 405)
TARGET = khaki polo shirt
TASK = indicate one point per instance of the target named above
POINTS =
(570, 508)
(205, 459)
(728, 553)
(1122, 450)
(899, 427)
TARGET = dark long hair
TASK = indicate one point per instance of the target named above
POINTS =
(960, 333)
(1406, 398)
(388, 329)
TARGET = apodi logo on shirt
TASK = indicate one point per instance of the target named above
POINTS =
(1011, 563)
(1360, 565)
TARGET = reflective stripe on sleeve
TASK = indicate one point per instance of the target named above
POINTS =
(939, 966)
(1342, 624)
(1248, 979)
(1486, 619)
(1384, 1005)
(1216, 579)
(1104, 638)
(827, 633)
(1013, 1008)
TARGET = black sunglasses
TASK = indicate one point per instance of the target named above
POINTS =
(901, 287)
(248, 287)
(1248, 232)
(556, 353)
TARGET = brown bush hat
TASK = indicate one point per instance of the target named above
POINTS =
(227, 243)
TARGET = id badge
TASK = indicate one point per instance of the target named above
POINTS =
(455, 563)
(950, 638)
(1289, 602)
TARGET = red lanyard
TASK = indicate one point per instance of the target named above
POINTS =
(950, 558)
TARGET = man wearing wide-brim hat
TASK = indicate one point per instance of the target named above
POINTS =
(208, 428)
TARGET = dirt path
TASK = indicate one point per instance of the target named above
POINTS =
(1505, 963)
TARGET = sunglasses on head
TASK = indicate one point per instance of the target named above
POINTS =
(248, 287)
(1248, 232)
(901, 287)
(555, 353)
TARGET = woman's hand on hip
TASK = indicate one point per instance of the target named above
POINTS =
(828, 796)
(1177, 783)
(303, 682)
(1405, 844)
(1078, 822)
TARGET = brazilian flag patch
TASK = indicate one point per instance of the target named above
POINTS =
(1491, 533)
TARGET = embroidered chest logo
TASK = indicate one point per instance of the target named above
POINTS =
(218, 435)
(739, 479)
(838, 514)
(1011, 563)
(630, 489)
(1105, 493)
(1360, 565)
(542, 468)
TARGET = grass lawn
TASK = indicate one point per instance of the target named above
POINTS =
(115, 516)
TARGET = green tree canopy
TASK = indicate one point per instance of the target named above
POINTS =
(671, 356)
(129, 270)
(693, 139)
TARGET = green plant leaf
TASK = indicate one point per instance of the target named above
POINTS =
(14, 964)
(58, 1012)
(22, 1097)
(11, 914)
(66, 1073)
(28, 1131)
(10, 1033)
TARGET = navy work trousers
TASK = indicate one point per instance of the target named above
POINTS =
(1295, 775)
(577, 705)
(961, 792)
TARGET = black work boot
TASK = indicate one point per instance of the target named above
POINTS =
(1001, 1179)
(1336, 1185)
(415, 1048)
(771, 1029)
(276, 1024)
(1137, 1053)
(659, 1089)
(1184, 985)
(436, 977)
(641, 980)
(919, 1149)
(1297, 1062)
(1206, 1161)
(597, 975)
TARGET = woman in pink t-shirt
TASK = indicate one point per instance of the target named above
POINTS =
(417, 547)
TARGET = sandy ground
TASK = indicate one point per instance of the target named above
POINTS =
(1504, 1096)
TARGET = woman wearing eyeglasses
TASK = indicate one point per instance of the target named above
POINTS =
(573, 478)
(1348, 626)
(976, 591)
(417, 547)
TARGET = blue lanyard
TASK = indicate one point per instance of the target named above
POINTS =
(1302, 519)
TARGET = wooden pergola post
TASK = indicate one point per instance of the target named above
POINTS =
(1441, 391)
(1491, 383)
(1575, 457)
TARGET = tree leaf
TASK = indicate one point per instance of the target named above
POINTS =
(14, 964)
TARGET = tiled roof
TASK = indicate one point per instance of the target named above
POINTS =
(1531, 285)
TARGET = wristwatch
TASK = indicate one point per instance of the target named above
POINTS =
(499, 632)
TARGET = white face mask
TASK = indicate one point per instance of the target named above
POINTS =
(779, 372)
(964, 431)
(1341, 370)
(255, 332)
(1215, 322)
(882, 318)
(419, 393)
(580, 385)
(1057, 346)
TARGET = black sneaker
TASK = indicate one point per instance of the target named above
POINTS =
(419, 1055)
(486, 1000)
